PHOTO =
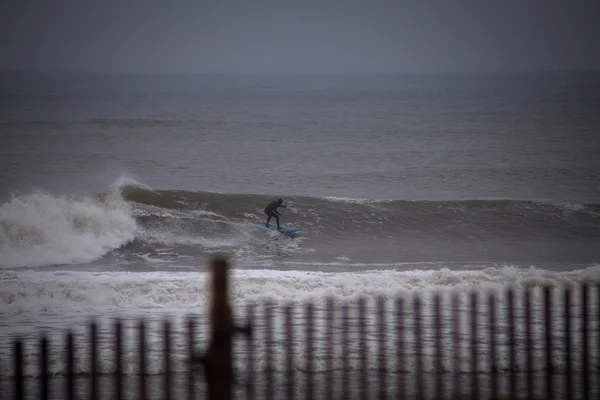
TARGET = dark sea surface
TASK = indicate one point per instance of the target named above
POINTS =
(116, 189)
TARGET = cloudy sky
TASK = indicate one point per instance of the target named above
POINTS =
(285, 36)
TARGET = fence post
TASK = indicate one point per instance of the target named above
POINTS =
(218, 360)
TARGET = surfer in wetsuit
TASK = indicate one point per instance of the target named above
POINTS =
(271, 211)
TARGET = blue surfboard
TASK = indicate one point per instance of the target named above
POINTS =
(283, 229)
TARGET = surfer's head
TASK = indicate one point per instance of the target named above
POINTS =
(279, 201)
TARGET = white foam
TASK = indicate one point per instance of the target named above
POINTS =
(40, 229)
(350, 200)
(32, 291)
(32, 299)
(342, 258)
(167, 238)
(125, 180)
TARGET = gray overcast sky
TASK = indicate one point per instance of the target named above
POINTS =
(299, 36)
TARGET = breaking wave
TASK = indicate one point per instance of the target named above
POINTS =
(134, 222)
(40, 229)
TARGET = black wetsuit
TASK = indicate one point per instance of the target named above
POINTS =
(271, 212)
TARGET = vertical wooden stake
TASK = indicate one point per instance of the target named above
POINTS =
(218, 361)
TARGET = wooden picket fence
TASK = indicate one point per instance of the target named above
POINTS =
(568, 369)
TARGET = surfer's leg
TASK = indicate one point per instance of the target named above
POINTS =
(273, 215)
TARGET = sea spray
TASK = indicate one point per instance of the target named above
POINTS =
(40, 229)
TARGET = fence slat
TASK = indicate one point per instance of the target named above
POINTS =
(381, 337)
(345, 352)
(584, 338)
(19, 387)
(310, 355)
(437, 323)
(548, 331)
(512, 343)
(168, 382)
(418, 347)
(250, 354)
(528, 343)
(329, 349)
(362, 342)
(289, 342)
(44, 392)
(401, 389)
(142, 383)
(568, 348)
(474, 353)
(93, 361)
(597, 340)
(118, 378)
(70, 381)
(492, 338)
(191, 335)
(456, 344)
(269, 350)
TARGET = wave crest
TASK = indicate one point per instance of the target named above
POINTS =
(40, 229)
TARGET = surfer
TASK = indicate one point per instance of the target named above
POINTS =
(271, 211)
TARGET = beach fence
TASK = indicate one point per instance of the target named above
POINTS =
(535, 341)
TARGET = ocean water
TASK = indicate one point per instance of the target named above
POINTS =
(115, 191)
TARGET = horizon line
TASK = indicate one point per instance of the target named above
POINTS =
(282, 73)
